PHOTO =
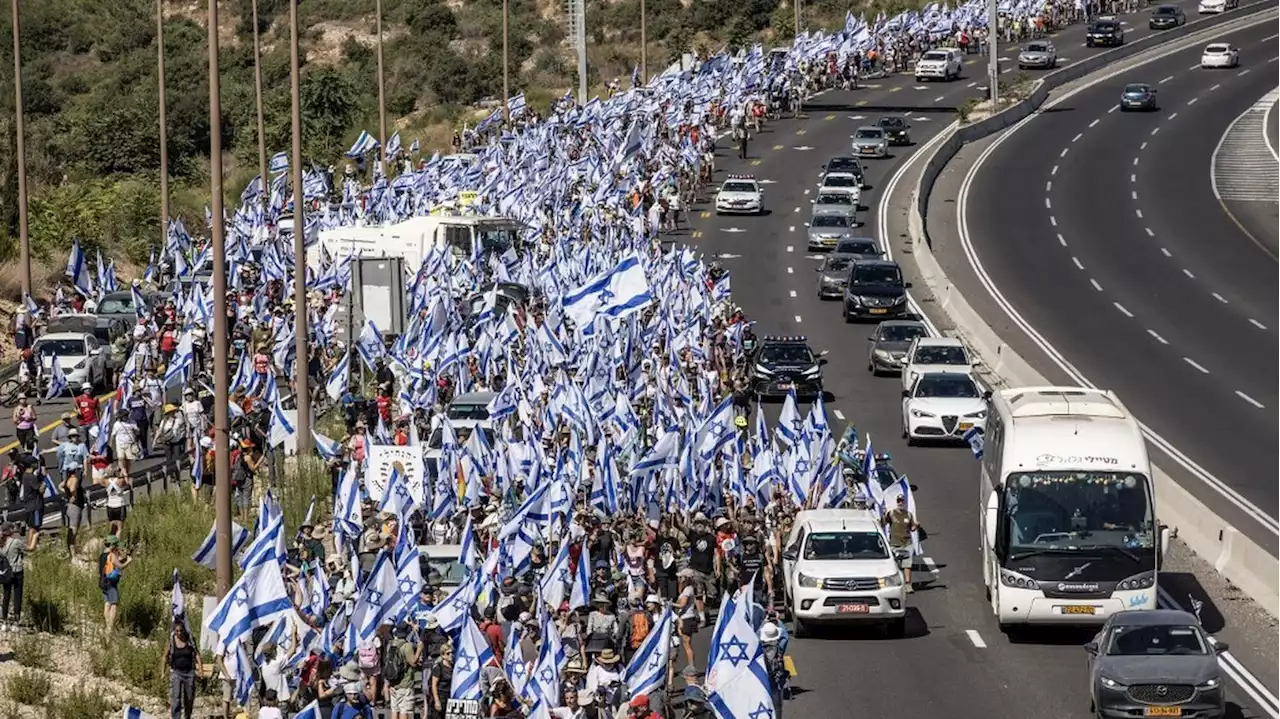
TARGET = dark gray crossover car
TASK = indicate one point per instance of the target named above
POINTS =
(887, 348)
(1152, 663)
(833, 276)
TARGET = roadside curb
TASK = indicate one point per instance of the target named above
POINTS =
(1233, 554)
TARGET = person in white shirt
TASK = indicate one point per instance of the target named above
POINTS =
(273, 674)
(269, 708)
(603, 677)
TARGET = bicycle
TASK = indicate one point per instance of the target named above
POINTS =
(10, 390)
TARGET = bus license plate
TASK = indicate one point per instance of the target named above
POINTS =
(879, 311)
(852, 609)
(1078, 609)
(1163, 711)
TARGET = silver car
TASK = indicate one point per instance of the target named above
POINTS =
(1038, 54)
(1155, 662)
(826, 229)
(870, 141)
(834, 203)
(833, 276)
(887, 348)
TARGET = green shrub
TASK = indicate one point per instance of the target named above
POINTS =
(80, 704)
(139, 665)
(28, 687)
(33, 652)
(102, 660)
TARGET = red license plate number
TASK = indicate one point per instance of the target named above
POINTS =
(852, 609)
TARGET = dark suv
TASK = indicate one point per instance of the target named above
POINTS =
(876, 291)
(785, 364)
(1167, 17)
(1104, 33)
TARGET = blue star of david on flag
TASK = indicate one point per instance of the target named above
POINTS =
(763, 711)
(735, 651)
(406, 586)
(242, 596)
(373, 597)
(547, 675)
(464, 660)
(460, 604)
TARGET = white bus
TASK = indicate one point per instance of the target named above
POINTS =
(1069, 534)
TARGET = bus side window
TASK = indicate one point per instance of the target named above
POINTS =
(992, 445)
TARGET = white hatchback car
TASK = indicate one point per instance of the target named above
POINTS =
(935, 354)
(79, 356)
(838, 568)
(1220, 54)
(942, 406)
(1214, 7)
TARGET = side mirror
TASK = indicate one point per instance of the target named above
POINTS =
(1165, 535)
(1091, 647)
(1221, 647)
(906, 393)
(977, 362)
(987, 395)
(822, 361)
(871, 338)
(789, 555)
(907, 285)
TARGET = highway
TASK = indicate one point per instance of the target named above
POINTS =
(954, 661)
(1102, 229)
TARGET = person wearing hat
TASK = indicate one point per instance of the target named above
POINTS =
(901, 524)
(171, 434)
(353, 704)
(775, 664)
(603, 678)
(73, 489)
(638, 708)
(60, 433)
(197, 419)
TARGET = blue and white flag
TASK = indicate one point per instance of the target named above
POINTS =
(206, 555)
(370, 344)
(380, 600)
(78, 270)
(279, 163)
(647, 670)
(617, 293)
(393, 145)
(57, 380)
(738, 685)
(311, 711)
(363, 145)
(973, 436)
(471, 654)
(132, 712)
(257, 599)
(580, 596)
(326, 447)
(336, 384)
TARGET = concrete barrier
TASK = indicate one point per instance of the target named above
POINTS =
(1234, 555)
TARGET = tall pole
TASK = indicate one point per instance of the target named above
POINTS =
(382, 105)
(265, 197)
(506, 67)
(644, 46)
(301, 388)
(23, 239)
(164, 127)
(796, 7)
(221, 399)
(578, 12)
(993, 60)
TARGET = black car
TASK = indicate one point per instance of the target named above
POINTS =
(851, 165)
(896, 129)
(783, 364)
(875, 291)
(1104, 33)
(1167, 17)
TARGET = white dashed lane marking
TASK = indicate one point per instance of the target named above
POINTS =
(1095, 123)
(838, 414)
(797, 319)
(1054, 171)
(1167, 79)
(1249, 399)
(1047, 204)
(1195, 364)
(1095, 284)
(1064, 152)
(1077, 137)
(1123, 310)
(1188, 273)
(1257, 324)
(1219, 298)
(790, 270)
(793, 293)
(1062, 240)
(791, 248)
(1166, 252)
(1076, 260)
(1149, 232)
(1158, 338)
(1053, 220)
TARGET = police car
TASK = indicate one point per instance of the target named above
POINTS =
(785, 364)
(740, 194)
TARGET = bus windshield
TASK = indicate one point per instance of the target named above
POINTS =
(1073, 510)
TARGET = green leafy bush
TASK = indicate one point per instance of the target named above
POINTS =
(81, 704)
(28, 687)
(32, 652)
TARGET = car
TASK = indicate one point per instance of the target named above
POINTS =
(441, 566)
(859, 248)
(1166, 17)
(842, 182)
(1138, 96)
(781, 365)
(876, 291)
(833, 276)
(942, 406)
(1155, 662)
(117, 315)
(837, 567)
(826, 229)
(1213, 7)
(470, 405)
(870, 141)
(942, 64)
(896, 129)
(846, 164)
(935, 354)
(740, 194)
(462, 430)
(80, 357)
(889, 342)
(504, 296)
(1105, 31)
(1220, 54)
(1039, 54)
(834, 202)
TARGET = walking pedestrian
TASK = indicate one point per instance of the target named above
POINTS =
(111, 564)
(13, 551)
(183, 661)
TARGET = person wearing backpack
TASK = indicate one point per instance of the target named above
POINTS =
(642, 623)
(775, 664)
(400, 671)
(111, 563)
(13, 552)
(369, 659)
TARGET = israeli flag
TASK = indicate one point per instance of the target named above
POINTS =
(370, 345)
(616, 294)
(281, 427)
(336, 384)
(380, 600)
(471, 654)
(206, 555)
(973, 436)
(327, 448)
(393, 144)
(279, 163)
(257, 599)
(57, 380)
(347, 515)
(580, 596)
(184, 357)
(557, 577)
(648, 668)
(415, 147)
(310, 711)
(363, 145)
(78, 270)
(738, 686)
(132, 712)
(513, 662)
(455, 608)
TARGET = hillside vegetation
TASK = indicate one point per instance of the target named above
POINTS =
(91, 99)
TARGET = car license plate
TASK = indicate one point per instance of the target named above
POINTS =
(1078, 609)
(868, 150)
(965, 426)
(1162, 711)
(852, 609)
(878, 311)
(785, 385)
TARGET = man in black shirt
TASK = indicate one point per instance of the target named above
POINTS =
(754, 563)
(704, 561)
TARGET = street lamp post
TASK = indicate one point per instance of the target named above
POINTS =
(506, 66)
(644, 46)
(23, 238)
(382, 102)
(265, 197)
(164, 127)
(993, 60)
(301, 388)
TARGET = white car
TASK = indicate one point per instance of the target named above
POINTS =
(740, 195)
(942, 406)
(935, 354)
(462, 429)
(838, 568)
(79, 355)
(845, 183)
(1220, 54)
(1213, 7)
(944, 64)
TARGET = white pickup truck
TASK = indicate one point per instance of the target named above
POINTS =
(942, 64)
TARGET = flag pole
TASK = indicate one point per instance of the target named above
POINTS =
(164, 127)
(301, 363)
(506, 67)
(20, 127)
(265, 197)
(382, 102)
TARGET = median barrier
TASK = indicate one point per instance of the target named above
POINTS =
(1238, 558)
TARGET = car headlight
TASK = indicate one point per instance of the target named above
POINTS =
(1110, 683)
(883, 354)
(808, 582)
(1213, 683)
(830, 281)
(1145, 580)
(893, 580)
(853, 299)
(81, 363)
(980, 414)
(813, 371)
(1013, 579)
(920, 414)
(899, 299)
(761, 369)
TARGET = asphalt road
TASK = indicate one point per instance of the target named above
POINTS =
(1102, 229)
(954, 662)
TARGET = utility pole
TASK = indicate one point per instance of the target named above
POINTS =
(23, 238)
(993, 60)
(164, 128)
(301, 388)
(577, 14)
(382, 108)
(506, 66)
(644, 46)
(265, 197)
(796, 7)
(221, 398)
